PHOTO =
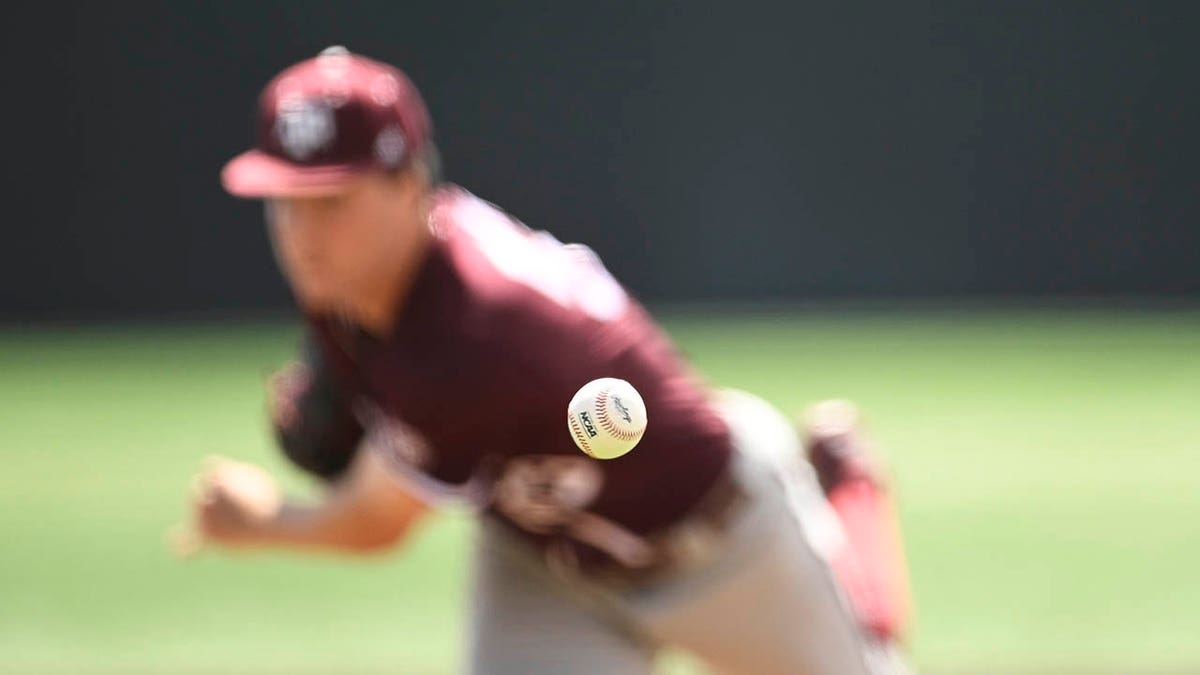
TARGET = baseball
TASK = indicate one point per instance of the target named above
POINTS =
(606, 418)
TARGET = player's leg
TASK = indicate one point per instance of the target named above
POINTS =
(770, 602)
(524, 620)
(871, 565)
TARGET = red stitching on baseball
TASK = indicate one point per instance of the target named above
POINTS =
(603, 420)
(579, 434)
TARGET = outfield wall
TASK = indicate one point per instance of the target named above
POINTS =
(708, 150)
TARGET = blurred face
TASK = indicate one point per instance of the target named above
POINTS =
(341, 251)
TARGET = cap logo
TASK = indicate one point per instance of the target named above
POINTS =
(304, 126)
(389, 146)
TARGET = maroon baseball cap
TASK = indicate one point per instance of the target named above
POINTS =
(324, 121)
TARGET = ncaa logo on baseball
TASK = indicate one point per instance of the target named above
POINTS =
(587, 424)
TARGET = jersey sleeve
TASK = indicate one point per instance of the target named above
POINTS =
(319, 433)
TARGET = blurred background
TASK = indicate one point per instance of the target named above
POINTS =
(976, 219)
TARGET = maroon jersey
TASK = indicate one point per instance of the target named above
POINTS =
(501, 327)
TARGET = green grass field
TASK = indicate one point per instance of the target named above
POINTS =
(1047, 463)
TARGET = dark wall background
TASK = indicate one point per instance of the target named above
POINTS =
(708, 150)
